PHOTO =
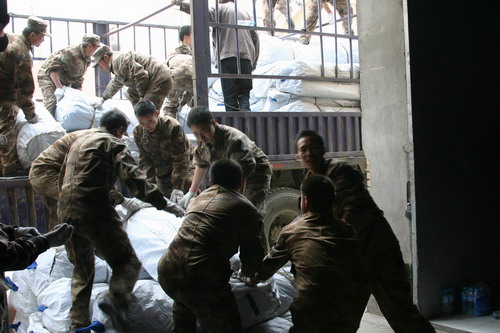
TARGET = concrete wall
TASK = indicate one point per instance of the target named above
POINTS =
(385, 112)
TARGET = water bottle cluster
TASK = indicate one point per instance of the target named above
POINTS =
(474, 300)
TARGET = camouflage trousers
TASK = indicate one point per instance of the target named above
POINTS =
(269, 6)
(8, 154)
(180, 95)
(111, 241)
(157, 95)
(312, 15)
(212, 303)
(49, 99)
(389, 284)
(47, 186)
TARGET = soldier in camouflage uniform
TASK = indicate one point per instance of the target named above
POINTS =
(4, 20)
(164, 151)
(325, 258)
(16, 89)
(65, 67)
(217, 141)
(379, 246)
(45, 170)
(145, 77)
(92, 166)
(195, 270)
(312, 16)
(180, 63)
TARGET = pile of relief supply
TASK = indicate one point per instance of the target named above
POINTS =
(32, 139)
(43, 298)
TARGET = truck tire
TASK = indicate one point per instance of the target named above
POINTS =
(281, 209)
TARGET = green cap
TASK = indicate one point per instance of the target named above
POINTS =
(38, 25)
(103, 50)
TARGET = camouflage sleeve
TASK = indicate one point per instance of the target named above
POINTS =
(241, 153)
(200, 157)
(253, 243)
(135, 180)
(141, 77)
(145, 162)
(275, 259)
(180, 148)
(52, 64)
(25, 86)
(113, 86)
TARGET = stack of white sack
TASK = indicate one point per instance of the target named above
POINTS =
(77, 111)
(32, 139)
(43, 299)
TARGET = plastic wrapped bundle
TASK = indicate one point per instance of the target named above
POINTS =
(32, 139)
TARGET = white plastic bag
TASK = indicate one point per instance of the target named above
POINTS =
(32, 139)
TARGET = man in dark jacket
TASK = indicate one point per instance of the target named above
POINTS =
(379, 246)
(19, 247)
(195, 270)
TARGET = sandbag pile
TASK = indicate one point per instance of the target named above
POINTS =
(285, 58)
(43, 299)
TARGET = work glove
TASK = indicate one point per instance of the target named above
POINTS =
(248, 280)
(174, 208)
(33, 120)
(60, 234)
(132, 205)
(186, 198)
(177, 2)
(97, 103)
(331, 19)
(59, 93)
(176, 196)
(27, 232)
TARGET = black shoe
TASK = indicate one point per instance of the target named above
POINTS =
(118, 316)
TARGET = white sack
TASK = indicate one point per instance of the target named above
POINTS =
(337, 109)
(57, 300)
(32, 139)
(337, 90)
(150, 231)
(215, 97)
(261, 86)
(277, 99)
(273, 49)
(149, 311)
(35, 324)
(332, 102)
(298, 106)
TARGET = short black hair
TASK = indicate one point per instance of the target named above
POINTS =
(184, 31)
(320, 191)
(227, 173)
(114, 119)
(144, 108)
(317, 138)
(199, 115)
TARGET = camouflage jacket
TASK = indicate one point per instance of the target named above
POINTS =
(216, 224)
(230, 143)
(70, 63)
(354, 205)
(183, 49)
(181, 65)
(134, 70)
(91, 168)
(16, 78)
(325, 261)
(165, 153)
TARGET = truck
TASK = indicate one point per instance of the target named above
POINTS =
(273, 132)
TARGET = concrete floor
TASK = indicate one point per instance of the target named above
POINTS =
(372, 323)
